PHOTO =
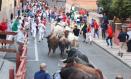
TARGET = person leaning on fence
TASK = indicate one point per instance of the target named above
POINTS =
(123, 37)
(20, 38)
(42, 74)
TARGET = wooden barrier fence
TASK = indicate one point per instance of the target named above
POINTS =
(21, 61)
(9, 42)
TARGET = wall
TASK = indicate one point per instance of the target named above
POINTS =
(87, 4)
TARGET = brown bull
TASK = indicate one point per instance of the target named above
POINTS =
(74, 73)
(52, 41)
(89, 70)
(63, 44)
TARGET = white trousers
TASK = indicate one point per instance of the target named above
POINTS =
(33, 31)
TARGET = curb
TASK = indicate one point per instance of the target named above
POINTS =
(112, 54)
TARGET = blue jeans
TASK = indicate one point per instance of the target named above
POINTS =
(107, 41)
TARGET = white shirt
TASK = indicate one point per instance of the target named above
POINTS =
(20, 37)
(41, 27)
(10, 26)
(34, 25)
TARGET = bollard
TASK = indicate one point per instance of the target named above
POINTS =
(119, 77)
(11, 73)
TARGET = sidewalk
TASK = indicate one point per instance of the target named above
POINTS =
(126, 58)
(2, 54)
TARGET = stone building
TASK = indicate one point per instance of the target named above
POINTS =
(8, 7)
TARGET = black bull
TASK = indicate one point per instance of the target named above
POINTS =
(73, 52)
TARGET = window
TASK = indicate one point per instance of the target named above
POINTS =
(14, 3)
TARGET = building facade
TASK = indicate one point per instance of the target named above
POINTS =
(8, 7)
(87, 4)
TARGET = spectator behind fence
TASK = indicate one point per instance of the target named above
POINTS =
(3, 28)
(42, 74)
(15, 25)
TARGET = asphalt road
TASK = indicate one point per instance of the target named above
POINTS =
(37, 53)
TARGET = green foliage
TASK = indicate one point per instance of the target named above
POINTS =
(118, 8)
(105, 4)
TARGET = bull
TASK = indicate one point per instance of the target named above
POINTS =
(52, 41)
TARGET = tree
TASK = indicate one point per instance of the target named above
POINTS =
(105, 4)
(121, 8)
(118, 8)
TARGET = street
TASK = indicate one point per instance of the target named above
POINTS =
(37, 53)
(23, 24)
